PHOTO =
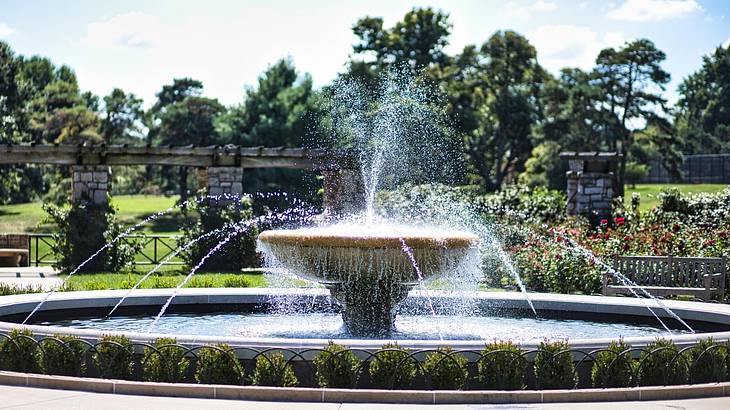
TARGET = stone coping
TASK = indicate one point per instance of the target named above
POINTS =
(328, 238)
(304, 394)
(22, 304)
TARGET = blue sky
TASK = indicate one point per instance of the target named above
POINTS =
(141, 45)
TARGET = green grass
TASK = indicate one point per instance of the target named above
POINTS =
(130, 209)
(104, 281)
(649, 192)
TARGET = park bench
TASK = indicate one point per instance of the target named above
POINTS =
(702, 278)
(14, 250)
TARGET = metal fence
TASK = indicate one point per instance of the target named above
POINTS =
(696, 169)
(397, 368)
(154, 250)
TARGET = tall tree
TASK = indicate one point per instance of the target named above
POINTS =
(631, 79)
(123, 116)
(703, 116)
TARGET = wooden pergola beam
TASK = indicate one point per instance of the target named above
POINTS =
(228, 156)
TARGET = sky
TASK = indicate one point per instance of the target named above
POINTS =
(139, 45)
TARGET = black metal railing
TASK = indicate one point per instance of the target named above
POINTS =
(155, 249)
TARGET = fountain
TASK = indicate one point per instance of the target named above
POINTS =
(368, 269)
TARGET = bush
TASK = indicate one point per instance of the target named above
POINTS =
(63, 355)
(218, 364)
(545, 167)
(81, 231)
(554, 367)
(519, 203)
(236, 282)
(272, 369)
(165, 362)
(707, 362)
(447, 369)
(238, 253)
(113, 357)
(19, 352)
(502, 367)
(613, 367)
(337, 367)
(392, 368)
(162, 282)
(657, 365)
(200, 282)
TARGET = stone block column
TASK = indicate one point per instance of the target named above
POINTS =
(222, 181)
(90, 184)
(343, 192)
(590, 184)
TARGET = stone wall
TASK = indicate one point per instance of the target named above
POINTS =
(590, 194)
(222, 181)
(90, 184)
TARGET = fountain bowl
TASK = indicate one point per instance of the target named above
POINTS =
(368, 269)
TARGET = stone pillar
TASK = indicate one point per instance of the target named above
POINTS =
(91, 184)
(343, 192)
(590, 184)
(222, 181)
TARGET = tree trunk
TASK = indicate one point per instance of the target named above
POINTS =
(183, 184)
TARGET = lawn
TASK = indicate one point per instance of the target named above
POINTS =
(130, 209)
(649, 192)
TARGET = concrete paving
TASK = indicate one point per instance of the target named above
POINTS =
(36, 398)
(44, 277)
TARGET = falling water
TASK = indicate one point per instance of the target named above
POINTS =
(421, 283)
(629, 284)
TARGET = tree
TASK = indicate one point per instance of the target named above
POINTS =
(631, 79)
(189, 122)
(180, 89)
(123, 115)
(702, 119)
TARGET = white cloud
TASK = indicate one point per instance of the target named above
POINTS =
(653, 10)
(520, 12)
(726, 44)
(565, 45)
(133, 29)
(5, 30)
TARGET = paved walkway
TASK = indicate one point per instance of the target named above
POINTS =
(34, 398)
(43, 276)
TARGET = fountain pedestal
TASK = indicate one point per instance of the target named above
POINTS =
(368, 271)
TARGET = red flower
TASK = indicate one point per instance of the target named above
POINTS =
(620, 221)
(676, 228)
(604, 222)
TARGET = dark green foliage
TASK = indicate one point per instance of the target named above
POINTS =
(218, 364)
(554, 367)
(165, 363)
(84, 229)
(659, 364)
(392, 368)
(272, 369)
(114, 357)
(238, 253)
(520, 203)
(707, 362)
(613, 367)
(447, 369)
(19, 352)
(63, 355)
(502, 367)
(337, 367)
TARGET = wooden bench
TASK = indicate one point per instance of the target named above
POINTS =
(14, 249)
(703, 278)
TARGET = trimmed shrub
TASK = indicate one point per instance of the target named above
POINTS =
(613, 367)
(165, 363)
(392, 368)
(63, 355)
(218, 364)
(554, 367)
(19, 352)
(337, 367)
(113, 357)
(502, 367)
(236, 282)
(657, 365)
(707, 362)
(447, 369)
(272, 369)
(162, 282)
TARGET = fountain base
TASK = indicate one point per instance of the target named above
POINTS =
(369, 313)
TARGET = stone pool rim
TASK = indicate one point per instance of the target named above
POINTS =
(714, 313)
